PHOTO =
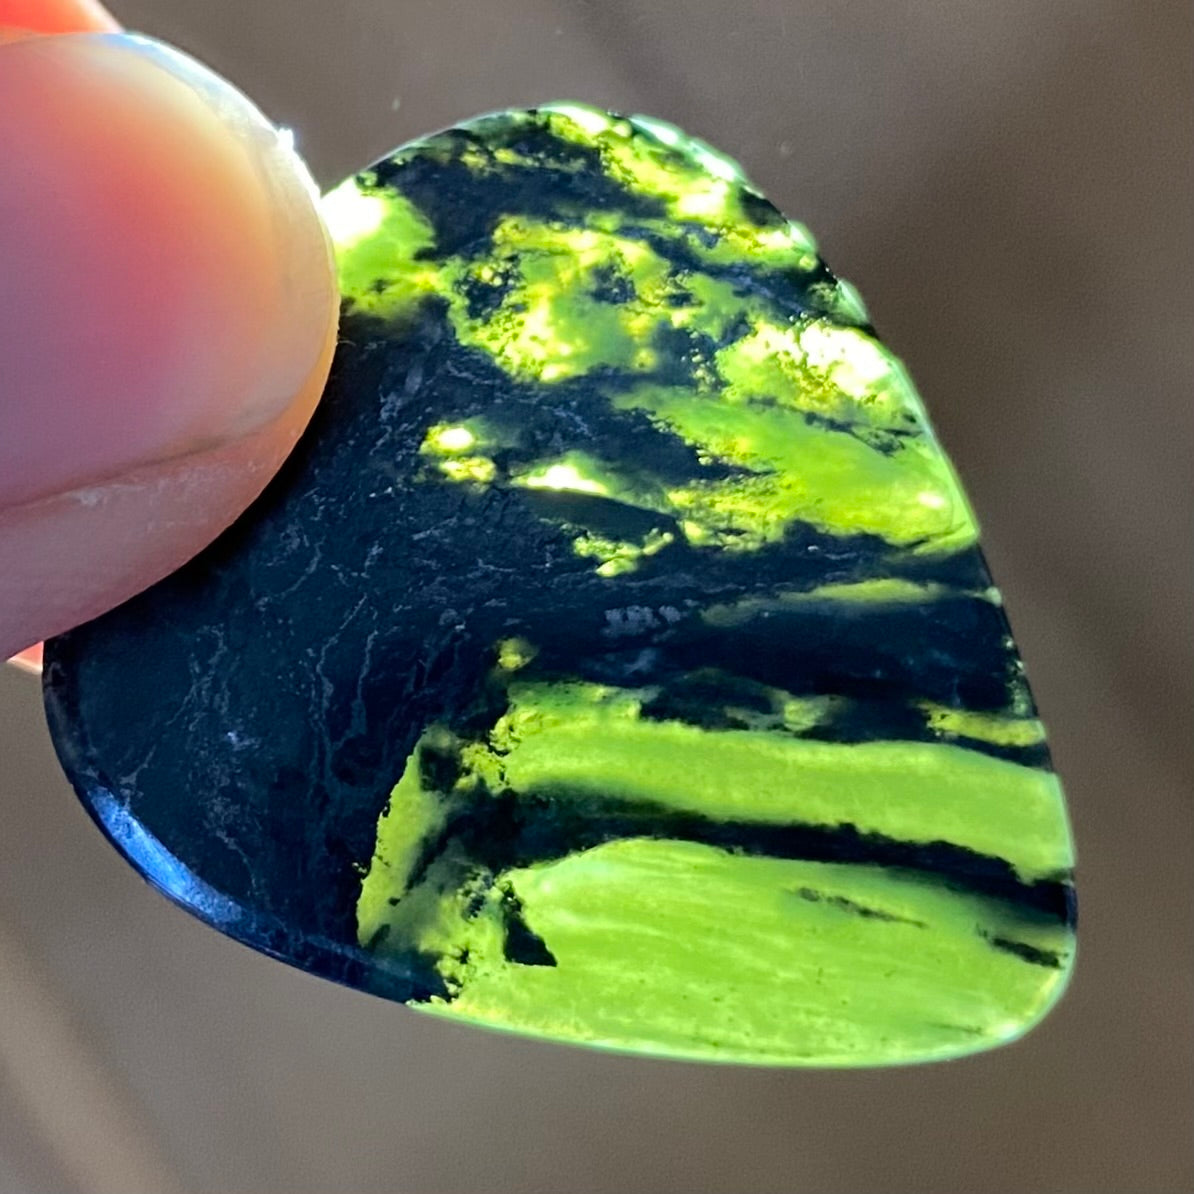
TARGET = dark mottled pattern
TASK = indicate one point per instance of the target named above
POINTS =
(253, 711)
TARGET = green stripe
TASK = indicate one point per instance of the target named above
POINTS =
(742, 966)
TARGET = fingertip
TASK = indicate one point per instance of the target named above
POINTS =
(168, 282)
(167, 318)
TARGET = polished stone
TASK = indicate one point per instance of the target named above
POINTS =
(614, 661)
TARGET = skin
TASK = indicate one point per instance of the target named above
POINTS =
(167, 311)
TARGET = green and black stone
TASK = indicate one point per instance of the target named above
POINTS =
(614, 659)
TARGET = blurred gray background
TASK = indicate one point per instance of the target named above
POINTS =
(1009, 186)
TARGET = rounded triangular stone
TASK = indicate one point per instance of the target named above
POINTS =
(614, 660)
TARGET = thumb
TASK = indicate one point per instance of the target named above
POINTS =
(167, 317)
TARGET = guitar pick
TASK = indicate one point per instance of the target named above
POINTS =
(614, 660)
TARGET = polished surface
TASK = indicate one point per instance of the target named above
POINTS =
(614, 660)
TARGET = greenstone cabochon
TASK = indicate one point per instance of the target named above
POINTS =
(615, 662)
